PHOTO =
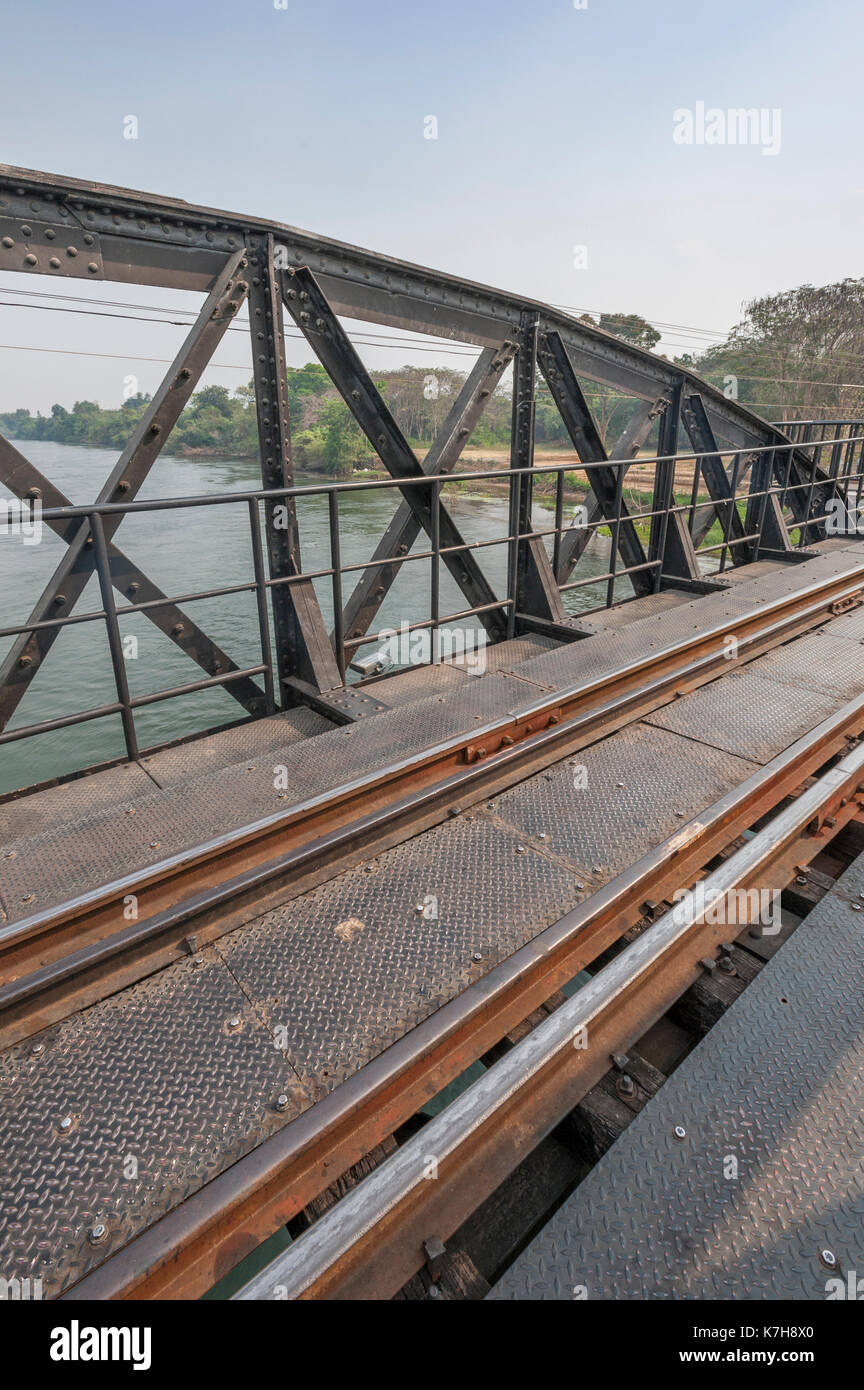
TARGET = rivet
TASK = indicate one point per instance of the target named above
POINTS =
(54, 263)
(26, 231)
(234, 1021)
(71, 251)
(93, 268)
(8, 242)
(30, 260)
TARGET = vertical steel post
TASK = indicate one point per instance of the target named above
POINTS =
(559, 523)
(302, 642)
(262, 605)
(616, 528)
(336, 566)
(115, 642)
(435, 576)
(522, 455)
(664, 483)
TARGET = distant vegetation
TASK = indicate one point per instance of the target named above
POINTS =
(794, 355)
(325, 436)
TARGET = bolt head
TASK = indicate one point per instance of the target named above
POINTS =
(679, 1133)
(97, 1233)
(828, 1258)
(282, 1102)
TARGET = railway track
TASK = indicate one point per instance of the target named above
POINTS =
(396, 1220)
(196, 1242)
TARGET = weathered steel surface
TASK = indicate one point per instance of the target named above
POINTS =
(610, 803)
(353, 965)
(778, 1087)
(162, 1092)
(746, 714)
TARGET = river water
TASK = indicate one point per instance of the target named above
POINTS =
(196, 549)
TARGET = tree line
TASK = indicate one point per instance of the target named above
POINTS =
(796, 354)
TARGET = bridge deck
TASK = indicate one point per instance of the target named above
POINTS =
(168, 1082)
(769, 1174)
(65, 840)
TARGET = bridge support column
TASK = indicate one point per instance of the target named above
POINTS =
(531, 584)
(303, 647)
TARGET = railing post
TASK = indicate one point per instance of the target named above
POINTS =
(664, 483)
(336, 567)
(115, 643)
(262, 605)
(435, 575)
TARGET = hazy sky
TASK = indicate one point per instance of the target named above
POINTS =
(555, 131)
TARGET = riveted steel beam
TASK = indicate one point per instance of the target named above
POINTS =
(442, 457)
(310, 310)
(717, 480)
(627, 446)
(670, 540)
(558, 371)
(158, 240)
(26, 482)
(303, 648)
(74, 570)
(531, 581)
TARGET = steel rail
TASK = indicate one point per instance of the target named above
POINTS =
(371, 1241)
(182, 1255)
(61, 959)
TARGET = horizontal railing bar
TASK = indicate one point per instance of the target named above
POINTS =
(425, 480)
(137, 702)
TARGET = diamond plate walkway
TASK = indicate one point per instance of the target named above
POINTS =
(771, 1171)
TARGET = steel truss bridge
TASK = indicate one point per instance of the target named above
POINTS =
(285, 934)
